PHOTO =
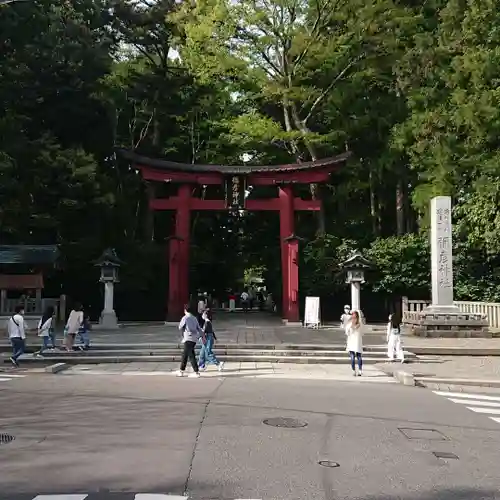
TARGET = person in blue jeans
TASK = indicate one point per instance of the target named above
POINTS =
(207, 342)
(83, 333)
(46, 330)
(17, 334)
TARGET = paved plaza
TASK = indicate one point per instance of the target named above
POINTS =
(235, 328)
(246, 370)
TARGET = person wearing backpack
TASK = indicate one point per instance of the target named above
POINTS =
(46, 330)
(17, 334)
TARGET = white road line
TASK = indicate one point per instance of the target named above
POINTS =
(4, 379)
(463, 395)
(61, 497)
(145, 374)
(11, 375)
(156, 496)
(493, 411)
(495, 419)
(476, 403)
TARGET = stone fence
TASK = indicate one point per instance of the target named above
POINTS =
(489, 309)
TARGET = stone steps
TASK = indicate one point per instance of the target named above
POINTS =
(153, 346)
(240, 353)
(159, 358)
(218, 352)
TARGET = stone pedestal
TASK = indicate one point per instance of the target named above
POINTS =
(108, 320)
(442, 318)
(447, 325)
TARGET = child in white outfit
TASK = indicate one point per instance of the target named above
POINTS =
(394, 347)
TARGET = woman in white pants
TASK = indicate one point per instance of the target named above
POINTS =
(394, 347)
(354, 333)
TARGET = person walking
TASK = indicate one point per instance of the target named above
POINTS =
(354, 332)
(345, 318)
(17, 334)
(46, 330)
(83, 333)
(208, 338)
(244, 299)
(191, 332)
(73, 325)
(394, 346)
(202, 305)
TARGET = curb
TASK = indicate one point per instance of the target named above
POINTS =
(404, 377)
(426, 381)
(453, 351)
(58, 367)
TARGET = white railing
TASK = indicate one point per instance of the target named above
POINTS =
(35, 307)
(490, 309)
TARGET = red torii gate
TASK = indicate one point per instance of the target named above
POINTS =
(286, 203)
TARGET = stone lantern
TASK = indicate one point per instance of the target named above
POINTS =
(109, 264)
(354, 268)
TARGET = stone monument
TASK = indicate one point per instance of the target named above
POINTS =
(443, 318)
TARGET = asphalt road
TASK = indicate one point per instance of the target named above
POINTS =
(205, 439)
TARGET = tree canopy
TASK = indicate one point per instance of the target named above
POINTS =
(411, 88)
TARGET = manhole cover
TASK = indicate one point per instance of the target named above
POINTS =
(444, 454)
(328, 463)
(428, 434)
(6, 438)
(289, 423)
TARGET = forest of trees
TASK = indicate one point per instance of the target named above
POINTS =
(412, 88)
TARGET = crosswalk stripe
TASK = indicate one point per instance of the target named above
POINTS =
(476, 403)
(146, 374)
(5, 379)
(137, 496)
(462, 395)
(157, 496)
(61, 497)
(493, 411)
(13, 375)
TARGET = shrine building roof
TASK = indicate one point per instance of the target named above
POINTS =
(144, 161)
(28, 254)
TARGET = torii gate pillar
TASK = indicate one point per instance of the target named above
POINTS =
(289, 256)
(188, 176)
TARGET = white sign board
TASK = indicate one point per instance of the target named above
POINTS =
(311, 316)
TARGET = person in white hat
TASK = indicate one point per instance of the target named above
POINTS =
(346, 317)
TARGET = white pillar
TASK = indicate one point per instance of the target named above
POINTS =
(355, 295)
(108, 319)
(108, 296)
(441, 256)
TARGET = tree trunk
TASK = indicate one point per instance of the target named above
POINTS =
(149, 216)
(314, 188)
(400, 209)
(374, 207)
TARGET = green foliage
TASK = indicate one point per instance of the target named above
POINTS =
(411, 88)
(401, 265)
